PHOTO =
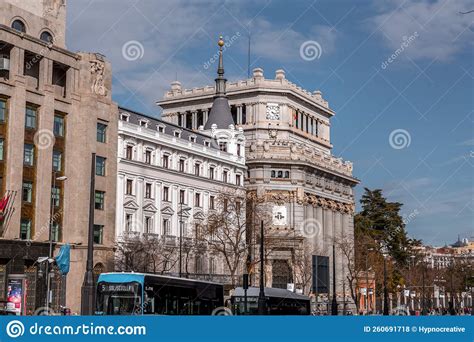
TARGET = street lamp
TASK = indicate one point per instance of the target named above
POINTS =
(50, 238)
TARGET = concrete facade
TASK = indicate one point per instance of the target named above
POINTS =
(290, 166)
(70, 95)
(157, 162)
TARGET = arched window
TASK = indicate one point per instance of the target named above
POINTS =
(46, 37)
(19, 26)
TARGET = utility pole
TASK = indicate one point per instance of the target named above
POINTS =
(261, 295)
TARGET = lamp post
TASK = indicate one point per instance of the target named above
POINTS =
(261, 294)
(50, 238)
(88, 288)
(334, 300)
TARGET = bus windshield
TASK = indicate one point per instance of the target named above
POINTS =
(119, 299)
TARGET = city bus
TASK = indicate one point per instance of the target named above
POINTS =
(278, 302)
(149, 294)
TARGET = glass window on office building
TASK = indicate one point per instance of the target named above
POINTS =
(100, 166)
(56, 196)
(3, 110)
(29, 155)
(25, 229)
(57, 161)
(27, 192)
(30, 117)
(101, 132)
(58, 126)
(99, 200)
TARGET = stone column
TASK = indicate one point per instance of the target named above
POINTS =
(339, 260)
(239, 115)
(205, 114)
(319, 238)
(194, 119)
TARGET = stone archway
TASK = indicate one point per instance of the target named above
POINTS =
(281, 273)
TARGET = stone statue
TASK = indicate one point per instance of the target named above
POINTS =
(52, 7)
(97, 72)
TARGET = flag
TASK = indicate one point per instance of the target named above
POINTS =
(63, 259)
(3, 206)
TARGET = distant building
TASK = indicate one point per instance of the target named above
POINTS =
(55, 111)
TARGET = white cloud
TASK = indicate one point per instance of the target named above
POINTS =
(442, 31)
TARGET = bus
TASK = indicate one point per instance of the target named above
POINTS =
(149, 294)
(278, 302)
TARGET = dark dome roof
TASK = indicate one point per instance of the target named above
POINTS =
(220, 114)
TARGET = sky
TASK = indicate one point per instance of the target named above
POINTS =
(398, 74)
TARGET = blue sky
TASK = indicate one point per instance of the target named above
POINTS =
(406, 123)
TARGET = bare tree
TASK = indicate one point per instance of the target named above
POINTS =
(146, 254)
(303, 268)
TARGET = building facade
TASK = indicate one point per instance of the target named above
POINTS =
(55, 111)
(290, 167)
(169, 178)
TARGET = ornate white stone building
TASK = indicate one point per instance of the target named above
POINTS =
(290, 165)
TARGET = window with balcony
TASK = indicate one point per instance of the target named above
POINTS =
(238, 180)
(197, 168)
(148, 225)
(129, 187)
(57, 160)
(128, 222)
(99, 200)
(101, 132)
(166, 227)
(211, 172)
(27, 192)
(100, 166)
(98, 234)
(30, 117)
(58, 126)
(181, 165)
(25, 229)
(29, 155)
(225, 176)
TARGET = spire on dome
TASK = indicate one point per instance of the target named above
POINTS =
(220, 112)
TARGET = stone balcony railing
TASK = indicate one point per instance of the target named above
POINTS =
(258, 81)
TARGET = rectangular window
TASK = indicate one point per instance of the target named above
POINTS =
(129, 154)
(166, 191)
(101, 132)
(129, 189)
(56, 231)
(56, 196)
(57, 160)
(225, 176)
(181, 165)
(197, 168)
(27, 192)
(3, 110)
(211, 173)
(100, 166)
(29, 155)
(212, 202)
(148, 225)
(166, 227)
(238, 150)
(1, 148)
(225, 204)
(223, 146)
(165, 161)
(99, 199)
(238, 180)
(25, 229)
(147, 190)
(30, 119)
(197, 200)
(98, 233)
(182, 196)
(148, 156)
(128, 222)
(58, 126)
